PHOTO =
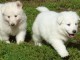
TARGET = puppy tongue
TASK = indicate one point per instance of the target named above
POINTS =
(71, 35)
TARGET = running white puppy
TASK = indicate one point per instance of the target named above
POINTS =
(12, 21)
(55, 28)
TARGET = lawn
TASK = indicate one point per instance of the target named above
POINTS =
(27, 50)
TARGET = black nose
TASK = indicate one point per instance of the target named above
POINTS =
(74, 31)
(12, 24)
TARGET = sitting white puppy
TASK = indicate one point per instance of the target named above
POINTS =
(55, 28)
(12, 21)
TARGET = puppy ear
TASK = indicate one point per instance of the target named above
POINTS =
(60, 20)
(19, 4)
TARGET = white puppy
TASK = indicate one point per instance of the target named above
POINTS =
(55, 28)
(12, 21)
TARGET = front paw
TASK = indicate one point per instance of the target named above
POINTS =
(20, 41)
(64, 53)
(38, 44)
(8, 42)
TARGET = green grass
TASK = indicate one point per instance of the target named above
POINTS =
(27, 50)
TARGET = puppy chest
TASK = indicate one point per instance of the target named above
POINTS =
(14, 31)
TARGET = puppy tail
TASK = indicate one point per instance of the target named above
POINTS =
(42, 9)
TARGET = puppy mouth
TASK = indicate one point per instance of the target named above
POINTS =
(71, 35)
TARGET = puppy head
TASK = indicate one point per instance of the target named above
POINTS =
(68, 21)
(12, 12)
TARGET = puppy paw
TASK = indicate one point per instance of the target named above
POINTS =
(8, 42)
(38, 44)
(64, 54)
(20, 41)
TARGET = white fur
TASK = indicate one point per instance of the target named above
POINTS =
(19, 29)
(1, 5)
(53, 28)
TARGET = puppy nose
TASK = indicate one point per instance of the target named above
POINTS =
(74, 31)
(12, 24)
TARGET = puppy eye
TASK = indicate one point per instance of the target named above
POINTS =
(76, 24)
(68, 24)
(8, 16)
(15, 15)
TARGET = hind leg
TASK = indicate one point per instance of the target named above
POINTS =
(37, 40)
(36, 34)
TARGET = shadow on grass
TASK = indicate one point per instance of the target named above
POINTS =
(27, 38)
(74, 45)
